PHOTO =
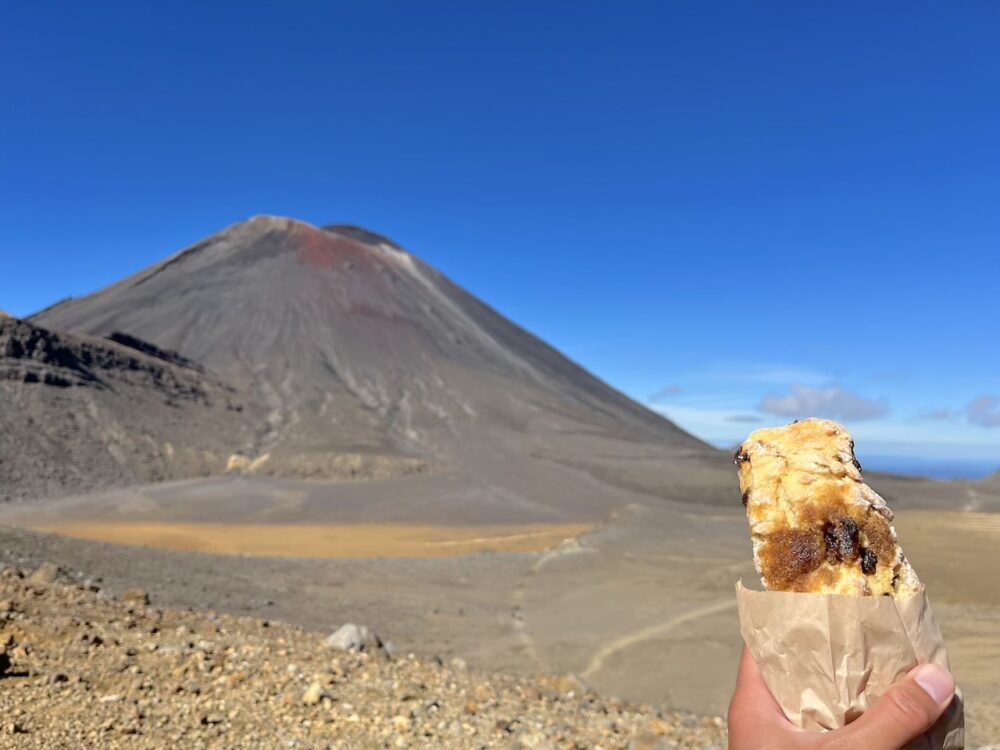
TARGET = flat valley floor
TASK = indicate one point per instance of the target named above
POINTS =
(640, 606)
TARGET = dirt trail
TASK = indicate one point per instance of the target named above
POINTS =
(654, 631)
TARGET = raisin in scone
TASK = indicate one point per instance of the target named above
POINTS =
(816, 526)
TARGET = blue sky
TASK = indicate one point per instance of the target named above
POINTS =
(735, 212)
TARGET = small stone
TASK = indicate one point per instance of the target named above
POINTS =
(351, 637)
(650, 741)
(45, 573)
(347, 637)
(402, 723)
(660, 727)
(313, 694)
(458, 664)
(569, 685)
(533, 741)
(136, 597)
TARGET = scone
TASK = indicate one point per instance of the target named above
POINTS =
(816, 526)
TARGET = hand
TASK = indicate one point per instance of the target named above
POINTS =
(906, 711)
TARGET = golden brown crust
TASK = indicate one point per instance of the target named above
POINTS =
(790, 558)
(816, 526)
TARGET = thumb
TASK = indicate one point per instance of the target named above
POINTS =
(907, 710)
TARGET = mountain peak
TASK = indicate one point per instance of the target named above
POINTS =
(315, 246)
(262, 223)
(352, 346)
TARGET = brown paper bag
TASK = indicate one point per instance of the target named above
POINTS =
(828, 658)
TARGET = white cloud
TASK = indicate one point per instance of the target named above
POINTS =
(984, 411)
(802, 401)
(665, 394)
(744, 418)
(953, 439)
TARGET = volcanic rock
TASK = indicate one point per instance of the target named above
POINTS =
(84, 413)
(136, 597)
(45, 573)
(351, 637)
(313, 694)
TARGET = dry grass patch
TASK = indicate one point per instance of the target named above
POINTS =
(324, 540)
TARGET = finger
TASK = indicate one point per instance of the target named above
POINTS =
(907, 710)
(755, 718)
(751, 689)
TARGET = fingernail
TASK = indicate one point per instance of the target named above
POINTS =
(936, 681)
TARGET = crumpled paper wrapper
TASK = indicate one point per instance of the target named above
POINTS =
(828, 658)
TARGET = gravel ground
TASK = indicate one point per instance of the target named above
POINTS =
(80, 669)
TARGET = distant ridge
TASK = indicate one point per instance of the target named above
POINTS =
(153, 351)
(83, 413)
